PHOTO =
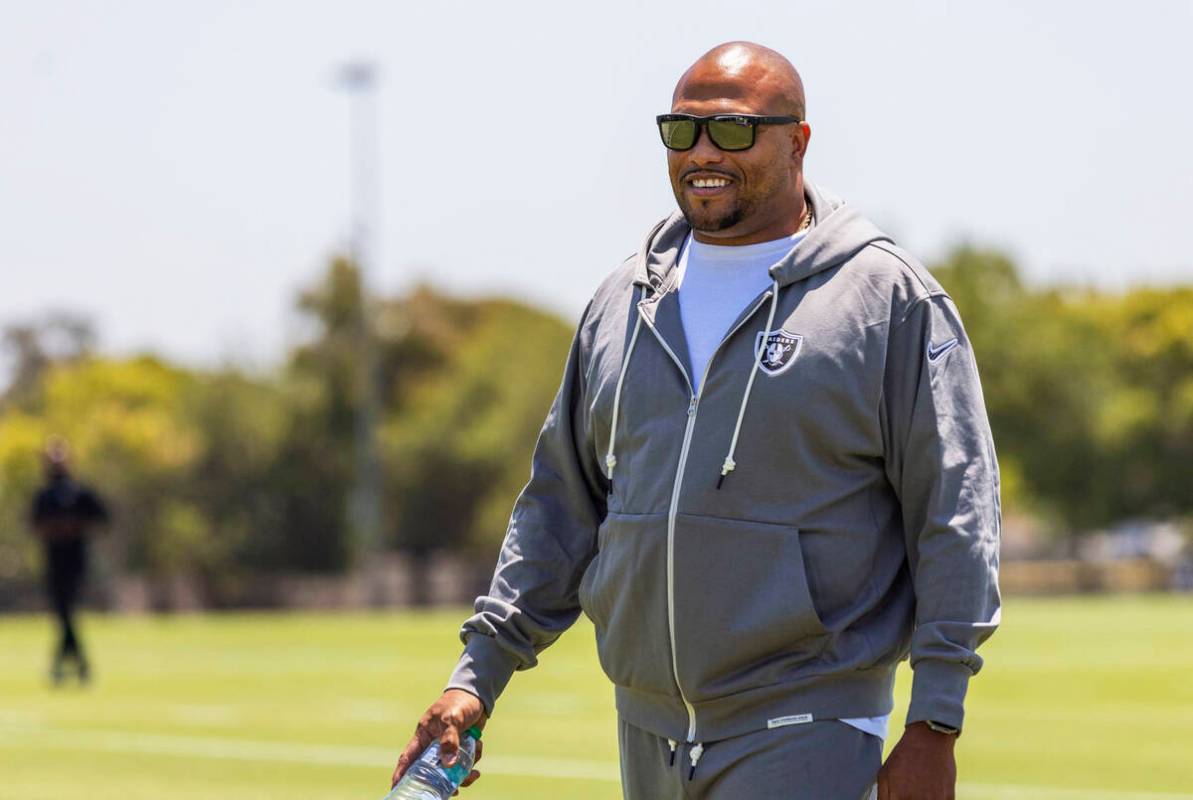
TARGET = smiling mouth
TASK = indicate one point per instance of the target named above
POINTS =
(705, 185)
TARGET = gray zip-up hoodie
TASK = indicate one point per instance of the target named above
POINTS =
(767, 549)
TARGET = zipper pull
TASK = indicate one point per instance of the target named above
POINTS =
(672, 743)
(694, 754)
(692, 406)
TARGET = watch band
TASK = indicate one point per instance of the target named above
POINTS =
(940, 727)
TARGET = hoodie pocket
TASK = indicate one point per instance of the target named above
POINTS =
(624, 593)
(743, 611)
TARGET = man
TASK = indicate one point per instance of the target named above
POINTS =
(767, 478)
(63, 515)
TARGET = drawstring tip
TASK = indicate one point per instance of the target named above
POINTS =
(694, 755)
(726, 468)
(610, 463)
(672, 743)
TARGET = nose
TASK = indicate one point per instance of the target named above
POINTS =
(704, 151)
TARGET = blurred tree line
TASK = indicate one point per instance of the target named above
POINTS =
(221, 476)
(225, 475)
(1090, 393)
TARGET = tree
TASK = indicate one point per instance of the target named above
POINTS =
(32, 347)
(1090, 394)
(458, 442)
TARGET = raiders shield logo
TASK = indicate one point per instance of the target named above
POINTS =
(780, 351)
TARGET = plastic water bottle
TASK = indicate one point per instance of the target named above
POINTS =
(427, 779)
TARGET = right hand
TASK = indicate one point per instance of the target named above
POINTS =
(446, 720)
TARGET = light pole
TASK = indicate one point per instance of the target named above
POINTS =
(359, 80)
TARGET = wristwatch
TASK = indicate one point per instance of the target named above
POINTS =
(940, 727)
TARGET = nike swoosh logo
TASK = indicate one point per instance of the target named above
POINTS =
(935, 352)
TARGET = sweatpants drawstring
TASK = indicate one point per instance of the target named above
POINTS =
(672, 742)
(694, 754)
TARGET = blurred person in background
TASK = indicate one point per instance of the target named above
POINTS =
(64, 515)
(767, 477)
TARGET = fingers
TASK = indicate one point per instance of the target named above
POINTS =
(449, 744)
(445, 721)
(480, 748)
(472, 776)
(424, 734)
(406, 759)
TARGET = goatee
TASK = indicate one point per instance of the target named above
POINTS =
(711, 224)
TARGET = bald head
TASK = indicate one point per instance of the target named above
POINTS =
(744, 72)
(741, 195)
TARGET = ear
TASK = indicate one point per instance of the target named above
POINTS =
(801, 134)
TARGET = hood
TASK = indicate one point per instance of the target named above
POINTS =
(837, 233)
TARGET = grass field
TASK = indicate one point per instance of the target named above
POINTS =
(1080, 698)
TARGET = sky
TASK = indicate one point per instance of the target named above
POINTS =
(178, 171)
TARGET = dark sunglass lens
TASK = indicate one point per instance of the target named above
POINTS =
(731, 134)
(679, 134)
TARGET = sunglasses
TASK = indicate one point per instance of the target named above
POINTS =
(727, 131)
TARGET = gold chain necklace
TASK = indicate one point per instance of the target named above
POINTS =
(806, 219)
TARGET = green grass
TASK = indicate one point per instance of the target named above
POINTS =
(1080, 698)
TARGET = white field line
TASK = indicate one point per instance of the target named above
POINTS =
(1011, 791)
(381, 758)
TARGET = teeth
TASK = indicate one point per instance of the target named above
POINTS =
(709, 183)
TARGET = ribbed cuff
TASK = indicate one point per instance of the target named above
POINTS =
(483, 670)
(938, 692)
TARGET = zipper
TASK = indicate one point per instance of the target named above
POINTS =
(693, 404)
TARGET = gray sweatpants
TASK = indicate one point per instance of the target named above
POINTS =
(822, 760)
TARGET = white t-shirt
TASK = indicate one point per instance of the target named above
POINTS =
(716, 283)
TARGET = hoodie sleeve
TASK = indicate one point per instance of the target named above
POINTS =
(941, 463)
(550, 539)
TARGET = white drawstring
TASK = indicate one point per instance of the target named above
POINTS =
(694, 755)
(729, 464)
(610, 458)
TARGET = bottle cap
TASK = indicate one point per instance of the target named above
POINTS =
(474, 732)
